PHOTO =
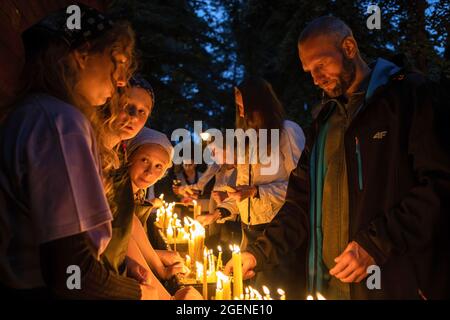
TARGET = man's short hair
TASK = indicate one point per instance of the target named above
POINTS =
(329, 26)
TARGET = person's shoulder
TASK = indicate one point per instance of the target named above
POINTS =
(65, 117)
(292, 134)
(292, 128)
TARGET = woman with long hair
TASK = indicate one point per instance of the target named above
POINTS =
(55, 221)
(261, 185)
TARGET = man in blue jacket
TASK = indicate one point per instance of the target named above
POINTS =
(373, 183)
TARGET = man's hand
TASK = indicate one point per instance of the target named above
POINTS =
(243, 192)
(188, 293)
(352, 264)
(248, 264)
(207, 219)
(137, 272)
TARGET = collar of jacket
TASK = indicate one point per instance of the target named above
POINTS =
(382, 71)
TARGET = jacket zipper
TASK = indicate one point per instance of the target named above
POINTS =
(358, 158)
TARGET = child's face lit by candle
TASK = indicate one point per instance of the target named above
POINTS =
(99, 75)
(135, 114)
(148, 165)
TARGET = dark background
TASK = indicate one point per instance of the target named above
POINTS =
(194, 51)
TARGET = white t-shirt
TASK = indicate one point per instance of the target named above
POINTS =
(50, 186)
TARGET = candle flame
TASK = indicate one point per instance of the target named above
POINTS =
(219, 248)
(281, 292)
(161, 196)
(220, 275)
(310, 297)
(320, 297)
(266, 290)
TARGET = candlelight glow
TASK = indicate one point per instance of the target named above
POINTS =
(320, 297)
(205, 136)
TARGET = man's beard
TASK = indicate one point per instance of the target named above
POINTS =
(345, 80)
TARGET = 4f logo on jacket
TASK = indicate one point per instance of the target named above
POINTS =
(379, 135)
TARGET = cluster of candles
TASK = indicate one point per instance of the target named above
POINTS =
(318, 297)
(190, 231)
(208, 268)
(227, 287)
(250, 294)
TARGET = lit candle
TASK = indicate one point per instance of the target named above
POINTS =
(186, 224)
(188, 261)
(212, 266)
(169, 234)
(267, 293)
(252, 293)
(199, 210)
(247, 295)
(175, 232)
(310, 297)
(282, 294)
(320, 297)
(258, 295)
(219, 290)
(226, 283)
(191, 243)
(219, 259)
(205, 274)
(198, 271)
(195, 209)
(237, 272)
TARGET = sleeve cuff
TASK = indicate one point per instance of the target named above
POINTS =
(363, 239)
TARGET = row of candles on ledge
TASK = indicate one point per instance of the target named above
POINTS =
(193, 233)
(227, 287)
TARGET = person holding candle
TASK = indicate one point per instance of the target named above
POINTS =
(150, 156)
(54, 203)
(227, 230)
(186, 174)
(258, 196)
(371, 192)
(129, 251)
(137, 104)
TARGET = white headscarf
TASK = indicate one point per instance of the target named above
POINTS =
(150, 136)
